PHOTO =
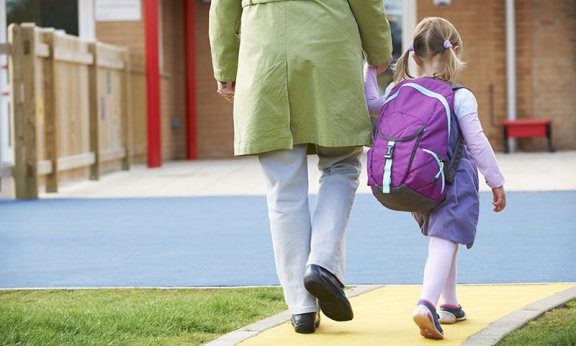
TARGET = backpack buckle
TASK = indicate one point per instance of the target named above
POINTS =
(389, 150)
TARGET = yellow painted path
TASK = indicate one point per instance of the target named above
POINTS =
(384, 316)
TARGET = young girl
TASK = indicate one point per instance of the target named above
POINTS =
(436, 49)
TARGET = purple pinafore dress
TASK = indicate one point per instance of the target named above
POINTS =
(456, 218)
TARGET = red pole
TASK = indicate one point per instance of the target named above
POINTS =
(190, 43)
(152, 83)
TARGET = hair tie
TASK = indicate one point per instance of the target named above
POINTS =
(411, 47)
(447, 44)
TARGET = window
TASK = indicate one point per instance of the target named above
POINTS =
(57, 14)
(394, 14)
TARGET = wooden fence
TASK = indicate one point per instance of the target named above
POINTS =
(74, 107)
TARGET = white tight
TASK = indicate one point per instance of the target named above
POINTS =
(300, 238)
(440, 272)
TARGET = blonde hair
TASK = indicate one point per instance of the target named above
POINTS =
(430, 36)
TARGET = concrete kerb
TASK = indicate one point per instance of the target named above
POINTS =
(254, 329)
(497, 330)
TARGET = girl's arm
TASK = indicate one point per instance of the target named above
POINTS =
(466, 110)
(371, 91)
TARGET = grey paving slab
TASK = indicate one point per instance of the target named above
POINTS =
(243, 176)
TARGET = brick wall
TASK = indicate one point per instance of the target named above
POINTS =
(482, 27)
(548, 53)
(173, 84)
(179, 135)
(127, 34)
(214, 114)
(545, 70)
(524, 50)
(172, 69)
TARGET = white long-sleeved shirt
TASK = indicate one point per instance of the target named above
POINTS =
(466, 111)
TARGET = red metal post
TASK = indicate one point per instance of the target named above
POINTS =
(190, 43)
(153, 83)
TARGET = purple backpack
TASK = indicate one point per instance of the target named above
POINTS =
(417, 146)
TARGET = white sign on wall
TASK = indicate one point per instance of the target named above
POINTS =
(118, 10)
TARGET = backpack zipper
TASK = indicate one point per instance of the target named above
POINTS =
(403, 139)
(440, 165)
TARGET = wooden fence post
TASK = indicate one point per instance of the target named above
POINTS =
(93, 94)
(50, 116)
(22, 72)
(126, 112)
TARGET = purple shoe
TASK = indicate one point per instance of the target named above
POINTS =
(450, 314)
(426, 319)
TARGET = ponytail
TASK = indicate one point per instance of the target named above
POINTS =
(452, 65)
(401, 68)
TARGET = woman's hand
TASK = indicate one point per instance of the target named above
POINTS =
(226, 90)
(499, 199)
(382, 67)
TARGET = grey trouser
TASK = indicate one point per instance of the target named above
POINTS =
(300, 237)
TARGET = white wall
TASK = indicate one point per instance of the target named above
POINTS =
(6, 128)
(86, 20)
(408, 25)
(6, 131)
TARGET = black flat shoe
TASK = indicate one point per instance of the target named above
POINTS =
(326, 287)
(306, 323)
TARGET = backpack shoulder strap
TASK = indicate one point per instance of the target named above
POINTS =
(451, 168)
(456, 86)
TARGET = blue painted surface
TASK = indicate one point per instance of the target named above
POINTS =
(224, 241)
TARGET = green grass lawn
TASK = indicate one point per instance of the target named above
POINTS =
(131, 316)
(556, 327)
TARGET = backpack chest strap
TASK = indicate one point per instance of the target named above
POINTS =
(387, 176)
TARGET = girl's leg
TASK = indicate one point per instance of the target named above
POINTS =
(441, 253)
(450, 311)
(286, 177)
(441, 257)
(449, 291)
(341, 169)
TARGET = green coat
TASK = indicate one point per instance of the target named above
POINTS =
(298, 69)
